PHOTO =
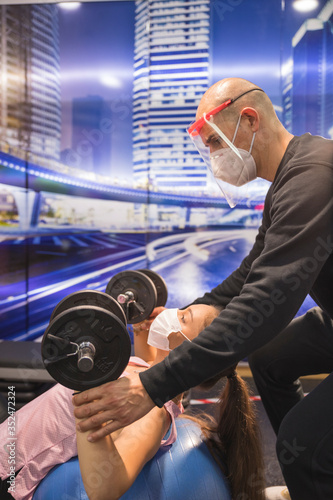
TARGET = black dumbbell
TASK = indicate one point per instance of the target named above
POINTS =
(86, 343)
(138, 292)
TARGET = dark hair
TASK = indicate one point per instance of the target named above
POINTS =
(234, 438)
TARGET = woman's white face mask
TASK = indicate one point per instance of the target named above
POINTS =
(165, 323)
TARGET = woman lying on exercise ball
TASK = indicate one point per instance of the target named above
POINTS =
(46, 433)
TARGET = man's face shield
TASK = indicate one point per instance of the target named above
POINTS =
(224, 160)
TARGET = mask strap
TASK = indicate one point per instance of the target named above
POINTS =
(183, 334)
(252, 142)
(224, 137)
(237, 127)
(234, 137)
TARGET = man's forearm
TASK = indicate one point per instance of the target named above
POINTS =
(162, 375)
(155, 379)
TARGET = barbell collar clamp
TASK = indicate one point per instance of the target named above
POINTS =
(55, 359)
(125, 298)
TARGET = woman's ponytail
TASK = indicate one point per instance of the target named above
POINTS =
(234, 440)
(237, 431)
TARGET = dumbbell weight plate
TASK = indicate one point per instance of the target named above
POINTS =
(144, 292)
(160, 285)
(91, 324)
(89, 297)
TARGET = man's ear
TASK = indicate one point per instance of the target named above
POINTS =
(253, 117)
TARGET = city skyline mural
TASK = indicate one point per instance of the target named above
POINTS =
(97, 172)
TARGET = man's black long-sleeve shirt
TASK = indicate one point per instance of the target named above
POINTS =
(291, 257)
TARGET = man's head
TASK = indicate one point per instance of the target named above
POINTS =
(254, 107)
(248, 113)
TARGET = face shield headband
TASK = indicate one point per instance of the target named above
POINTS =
(231, 167)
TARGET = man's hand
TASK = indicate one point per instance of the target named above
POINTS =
(111, 406)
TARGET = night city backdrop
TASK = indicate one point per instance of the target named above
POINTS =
(97, 173)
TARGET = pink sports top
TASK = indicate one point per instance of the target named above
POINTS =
(45, 437)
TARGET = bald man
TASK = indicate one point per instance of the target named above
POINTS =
(240, 138)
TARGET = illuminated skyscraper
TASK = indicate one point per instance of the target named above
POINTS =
(171, 72)
(30, 113)
(312, 92)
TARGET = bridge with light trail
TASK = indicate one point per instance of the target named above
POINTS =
(28, 181)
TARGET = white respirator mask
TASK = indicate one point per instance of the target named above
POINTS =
(233, 168)
(233, 165)
(165, 323)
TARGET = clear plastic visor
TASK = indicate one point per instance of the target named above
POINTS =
(212, 145)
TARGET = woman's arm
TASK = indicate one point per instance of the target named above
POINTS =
(141, 348)
(110, 466)
(140, 331)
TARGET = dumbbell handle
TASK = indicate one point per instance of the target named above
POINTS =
(86, 354)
